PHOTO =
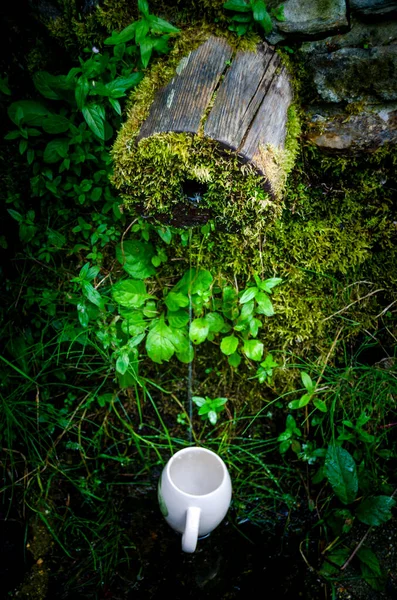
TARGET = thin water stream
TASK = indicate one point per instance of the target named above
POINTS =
(190, 364)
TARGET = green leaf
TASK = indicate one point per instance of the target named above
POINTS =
(141, 30)
(15, 215)
(158, 344)
(92, 294)
(259, 10)
(83, 314)
(55, 150)
(229, 345)
(234, 360)
(198, 331)
(56, 124)
(370, 559)
(13, 135)
(136, 257)
(146, 47)
(303, 401)
(165, 233)
(116, 105)
(320, 404)
(215, 322)
(253, 349)
(4, 86)
(31, 112)
(237, 5)
(248, 294)
(247, 310)
(143, 7)
(44, 83)
(124, 36)
(265, 306)
(212, 417)
(95, 119)
(375, 510)
(266, 23)
(81, 92)
(194, 282)
(158, 25)
(341, 473)
(307, 382)
(176, 300)
(130, 293)
(134, 322)
(334, 560)
(122, 363)
(178, 318)
(199, 401)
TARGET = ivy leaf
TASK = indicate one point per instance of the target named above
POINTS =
(375, 510)
(253, 349)
(158, 344)
(341, 473)
(130, 293)
(198, 331)
(265, 306)
(94, 115)
(229, 345)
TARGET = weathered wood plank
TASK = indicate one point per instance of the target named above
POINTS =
(181, 104)
(240, 95)
(270, 122)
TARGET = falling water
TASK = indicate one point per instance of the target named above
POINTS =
(190, 365)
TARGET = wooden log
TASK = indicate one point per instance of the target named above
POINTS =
(180, 106)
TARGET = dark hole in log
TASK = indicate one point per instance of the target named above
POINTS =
(194, 191)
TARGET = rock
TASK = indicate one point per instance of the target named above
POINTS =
(332, 130)
(373, 7)
(361, 35)
(356, 74)
(309, 19)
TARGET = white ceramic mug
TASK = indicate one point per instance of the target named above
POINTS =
(194, 493)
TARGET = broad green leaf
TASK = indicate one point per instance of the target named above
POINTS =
(229, 345)
(44, 83)
(268, 284)
(158, 25)
(303, 401)
(56, 124)
(307, 382)
(92, 294)
(83, 314)
(150, 309)
(247, 310)
(198, 331)
(141, 31)
(81, 92)
(124, 36)
(55, 150)
(183, 347)
(95, 119)
(146, 47)
(158, 344)
(134, 322)
(334, 560)
(375, 510)
(199, 401)
(259, 10)
(165, 233)
(371, 570)
(176, 300)
(212, 417)
(370, 559)
(266, 23)
(248, 294)
(143, 7)
(341, 473)
(265, 306)
(194, 281)
(130, 293)
(122, 363)
(237, 5)
(215, 321)
(254, 325)
(116, 105)
(31, 112)
(178, 318)
(135, 257)
(320, 404)
(253, 349)
(234, 360)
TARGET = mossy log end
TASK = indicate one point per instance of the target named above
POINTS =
(214, 140)
(250, 95)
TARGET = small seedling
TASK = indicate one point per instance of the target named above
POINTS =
(209, 408)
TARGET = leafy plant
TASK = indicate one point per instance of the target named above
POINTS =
(209, 408)
(251, 14)
(311, 390)
(288, 438)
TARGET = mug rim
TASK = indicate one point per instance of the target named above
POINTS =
(196, 449)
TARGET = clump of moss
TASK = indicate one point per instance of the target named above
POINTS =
(151, 174)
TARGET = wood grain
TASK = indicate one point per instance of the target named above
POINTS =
(181, 105)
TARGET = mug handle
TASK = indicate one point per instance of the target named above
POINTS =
(190, 535)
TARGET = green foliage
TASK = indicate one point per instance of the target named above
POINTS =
(251, 14)
(288, 438)
(209, 408)
(341, 472)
